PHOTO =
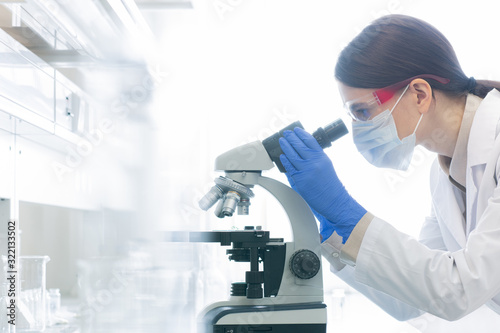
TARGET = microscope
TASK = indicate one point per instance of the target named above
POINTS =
(286, 296)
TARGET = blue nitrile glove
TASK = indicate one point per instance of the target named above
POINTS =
(326, 228)
(311, 173)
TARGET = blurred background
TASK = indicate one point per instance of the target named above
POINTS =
(112, 113)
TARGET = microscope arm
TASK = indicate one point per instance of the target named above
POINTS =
(244, 165)
(304, 228)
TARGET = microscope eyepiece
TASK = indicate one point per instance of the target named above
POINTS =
(331, 132)
(325, 136)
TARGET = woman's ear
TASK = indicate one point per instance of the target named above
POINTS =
(421, 92)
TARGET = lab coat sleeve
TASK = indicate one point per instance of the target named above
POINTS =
(394, 307)
(331, 251)
(430, 234)
(446, 284)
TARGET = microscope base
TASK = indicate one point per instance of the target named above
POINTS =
(277, 318)
(276, 328)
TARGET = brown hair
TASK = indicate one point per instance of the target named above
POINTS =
(396, 47)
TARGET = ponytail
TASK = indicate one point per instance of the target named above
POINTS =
(483, 87)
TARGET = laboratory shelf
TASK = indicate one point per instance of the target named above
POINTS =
(27, 82)
(75, 77)
(68, 69)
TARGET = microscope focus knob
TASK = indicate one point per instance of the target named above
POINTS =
(305, 264)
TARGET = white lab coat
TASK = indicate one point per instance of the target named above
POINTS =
(453, 269)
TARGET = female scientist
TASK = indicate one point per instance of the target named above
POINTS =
(403, 86)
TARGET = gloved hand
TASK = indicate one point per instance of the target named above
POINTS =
(311, 173)
(326, 228)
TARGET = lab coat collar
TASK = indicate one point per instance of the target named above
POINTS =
(456, 166)
(484, 129)
(481, 149)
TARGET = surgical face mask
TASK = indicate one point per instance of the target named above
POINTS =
(377, 140)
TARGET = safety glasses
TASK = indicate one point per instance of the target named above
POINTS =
(363, 108)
